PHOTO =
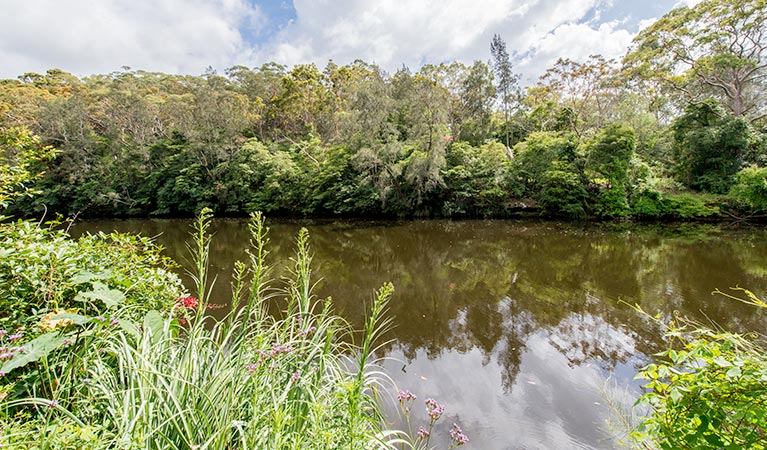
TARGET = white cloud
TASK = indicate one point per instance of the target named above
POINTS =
(395, 32)
(88, 37)
(185, 36)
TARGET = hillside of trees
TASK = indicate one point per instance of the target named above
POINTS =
(676, 129)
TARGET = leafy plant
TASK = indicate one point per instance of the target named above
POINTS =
(708, 390)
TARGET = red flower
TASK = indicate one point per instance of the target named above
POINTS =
(188, 302)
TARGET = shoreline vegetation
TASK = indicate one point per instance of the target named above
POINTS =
(676, 130)
(102, 347)
(90, 363)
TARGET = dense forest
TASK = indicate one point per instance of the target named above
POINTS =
(676, 129)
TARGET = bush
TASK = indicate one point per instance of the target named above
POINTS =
(750, 188)
(562, 192)
(708, 391)
(43, 270)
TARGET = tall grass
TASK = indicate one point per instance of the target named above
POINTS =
(185, 381)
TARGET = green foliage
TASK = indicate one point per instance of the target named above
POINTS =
(537, 154)
(563, 191)
(709, 144)
(609, 156)
(750, 188)
(20, 151)
(186, 380)
(707, 391)
(42, 270)
(476, 179)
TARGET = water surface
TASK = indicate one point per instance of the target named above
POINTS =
(522, 329)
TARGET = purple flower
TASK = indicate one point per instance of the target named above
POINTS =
(457, 436)
(296, 376)
(404, 396)
(251, 368)
(53, 404)
(15, 337)
(114, 322)
(434, 409)
(423, 433)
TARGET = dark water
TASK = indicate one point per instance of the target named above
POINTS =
(520, 328)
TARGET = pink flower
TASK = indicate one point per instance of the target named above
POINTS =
(434, 409)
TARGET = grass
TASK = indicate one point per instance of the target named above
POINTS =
(186, 381)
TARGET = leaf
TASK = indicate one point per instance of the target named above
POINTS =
(733, 372)
(77, 319)
(36, 349)
(154, 324)
(110, 297)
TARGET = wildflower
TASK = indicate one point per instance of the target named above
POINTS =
(434, 409)
(251, 368)
(457, 436)
(404, 396)
(188, 302)
(68, 341)
(423, 433)
(87, 380)
(114, 322)
(53, 404)
(15, 337)
(296, 376)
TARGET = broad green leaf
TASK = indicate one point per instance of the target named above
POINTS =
(111, 297)
(35, 349)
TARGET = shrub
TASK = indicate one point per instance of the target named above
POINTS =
(708, 391)
(750, 188)
(43, 270)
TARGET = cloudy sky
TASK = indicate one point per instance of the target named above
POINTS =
(186, 36)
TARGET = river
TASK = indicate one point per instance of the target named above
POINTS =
(522, 329)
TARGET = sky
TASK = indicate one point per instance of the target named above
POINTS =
(86, 37)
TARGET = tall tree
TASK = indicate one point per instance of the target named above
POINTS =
(506, 79)
(716, 48)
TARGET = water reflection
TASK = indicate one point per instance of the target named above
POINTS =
(514, 325)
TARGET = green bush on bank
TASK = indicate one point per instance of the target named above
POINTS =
(43, 270)
(707, 391)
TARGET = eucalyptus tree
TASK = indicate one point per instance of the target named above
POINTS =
(715, 48)
(507, 81)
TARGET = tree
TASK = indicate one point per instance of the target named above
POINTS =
(587, 91)
(19, 151)
(717, 48)
(709, 144)
(506, 79)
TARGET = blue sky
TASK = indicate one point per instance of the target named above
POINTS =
(186, 36)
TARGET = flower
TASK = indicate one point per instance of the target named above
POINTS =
(15, 337)
(434, 409)
(188, 302)
(457, 436)
(296, 376)
(251, 368)
(404, 396)
(53, 404)
(423, 433)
